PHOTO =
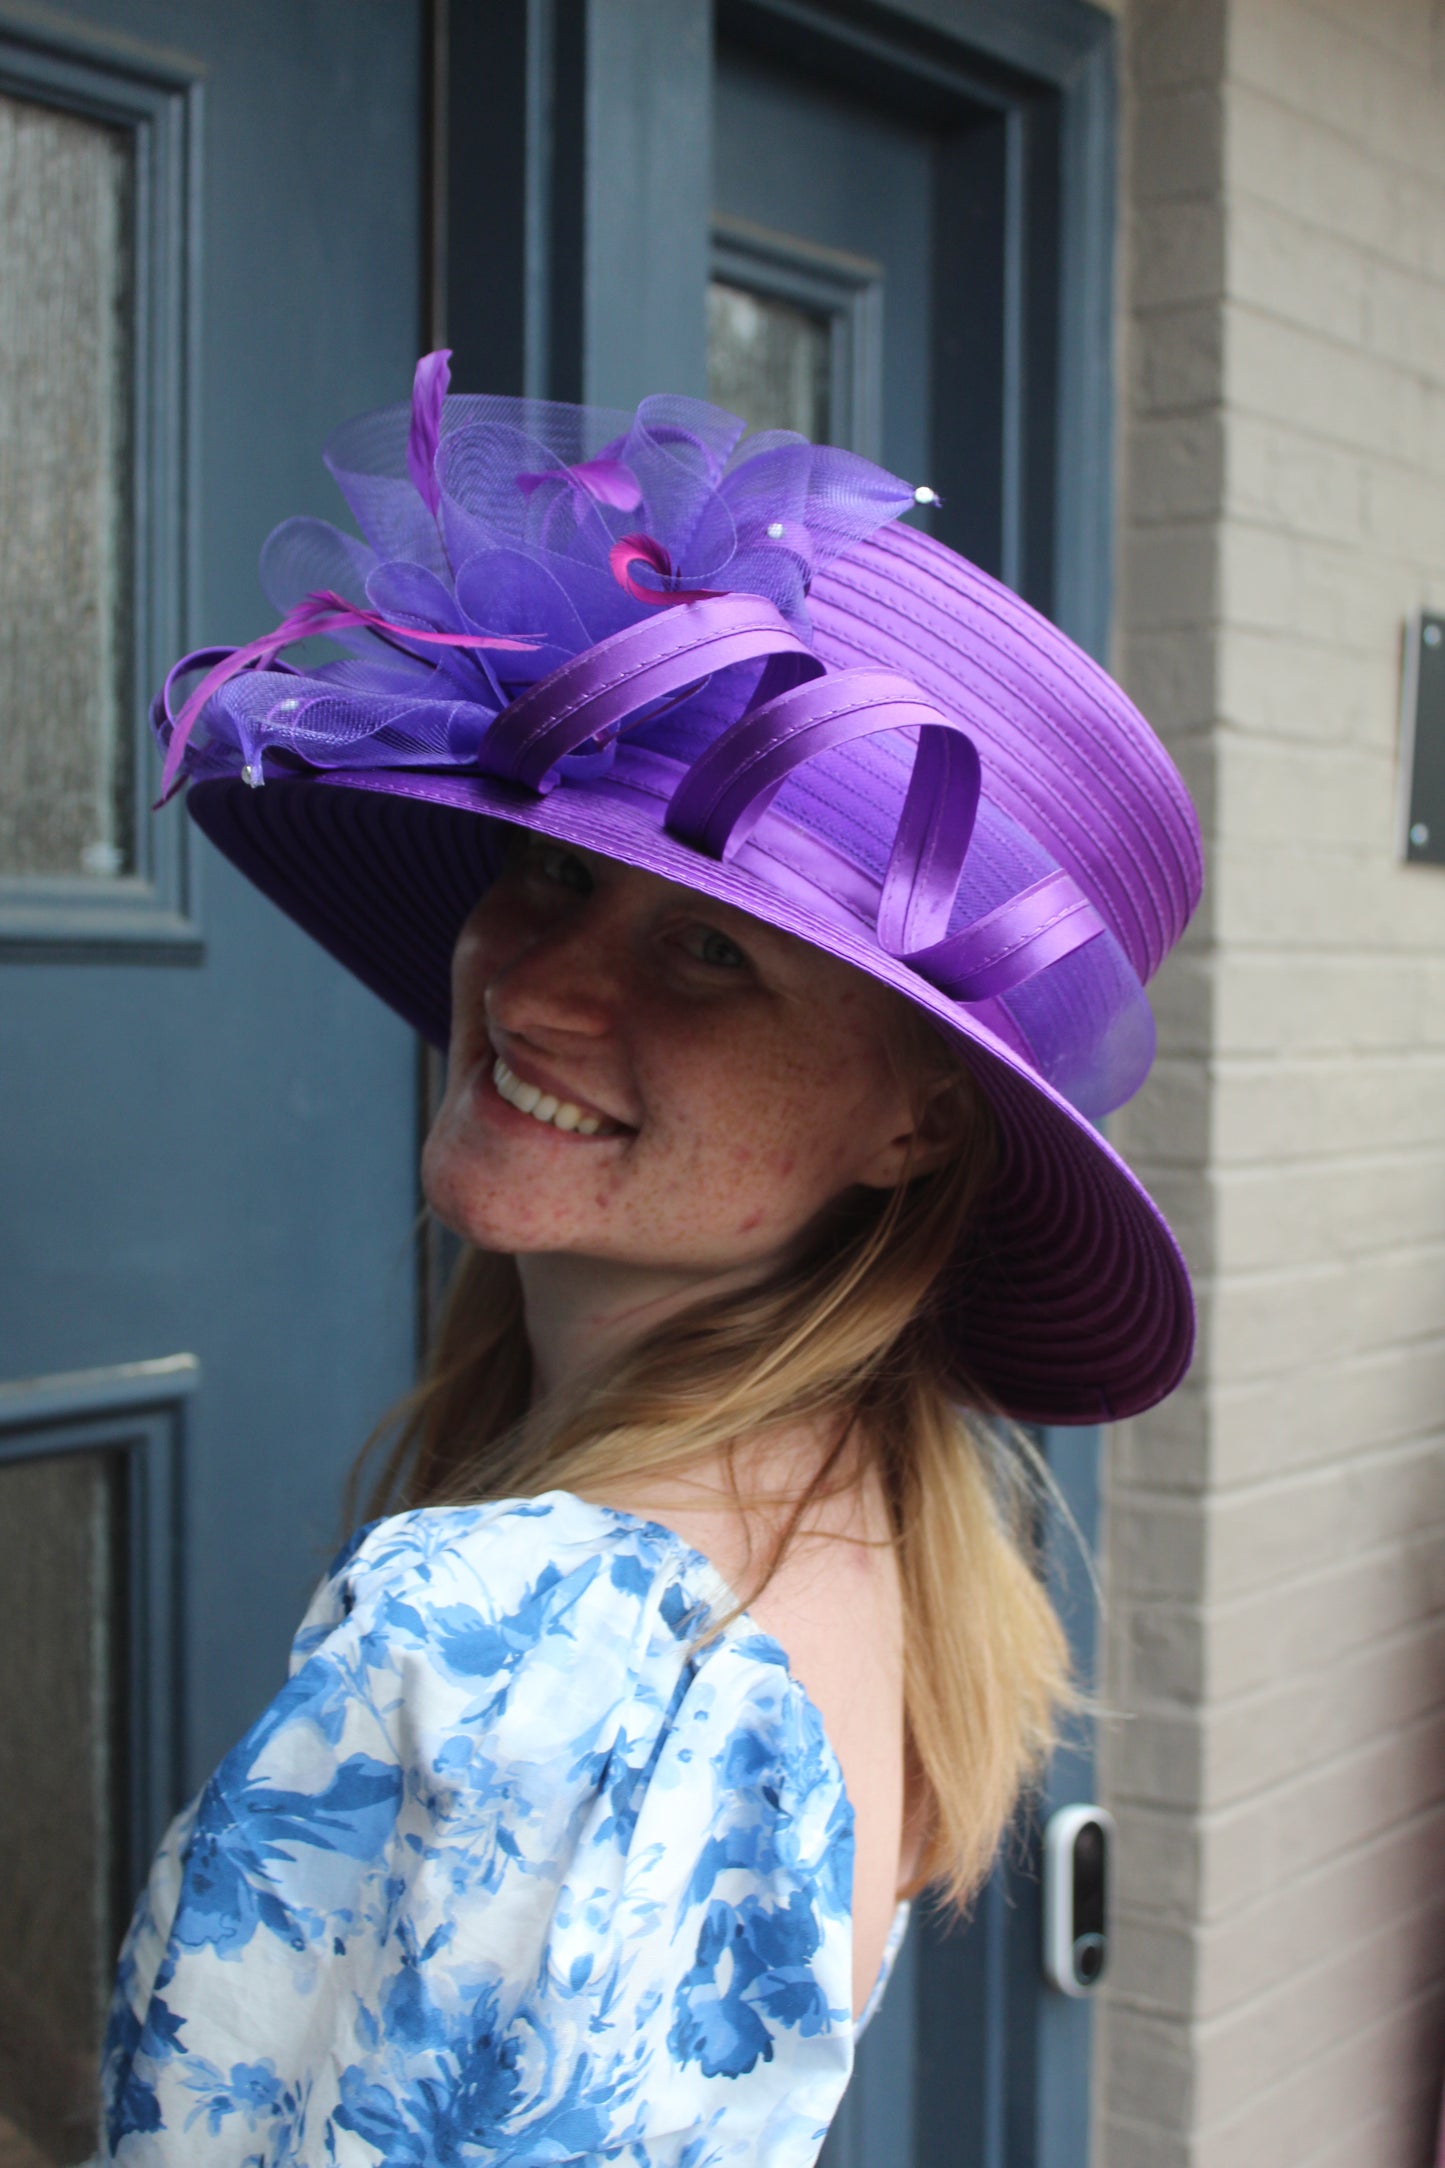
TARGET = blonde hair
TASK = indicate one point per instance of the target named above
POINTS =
(849, 1331)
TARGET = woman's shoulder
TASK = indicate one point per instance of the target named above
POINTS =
(509, 1796)
(551, 1585)
(501, 1550)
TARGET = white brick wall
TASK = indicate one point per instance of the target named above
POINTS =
(1277, 1533)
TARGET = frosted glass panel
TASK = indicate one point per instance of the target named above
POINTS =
(59, 1787)
(768, 360)
(65, 398)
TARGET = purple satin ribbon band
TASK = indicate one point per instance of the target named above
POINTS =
(1035, 928)
(618, 678)
(729, 787)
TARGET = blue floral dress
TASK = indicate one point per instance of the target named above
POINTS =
(511, 1870)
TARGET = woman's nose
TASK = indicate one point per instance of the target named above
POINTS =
(569, 980)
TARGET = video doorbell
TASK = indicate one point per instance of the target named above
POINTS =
(1078, 1849)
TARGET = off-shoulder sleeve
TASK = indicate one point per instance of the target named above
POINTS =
(510, 1870)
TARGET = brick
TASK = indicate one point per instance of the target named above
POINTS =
(1159, 1862)
(1171, 676)
(1309, 1920)
(1315, 2011)
(1402, 30)
(1171, 573)
(1152, 1966)
(1171, 1118)
(1164, 1652)
(1322, 1416)
(1155, 1757)
(1406, 520)
(1176, 360)
(1341, 796)
(1274, 1112)
(1170, 1448)
(1319, 68)
(1347, 396)
(1157, 1544)
(1176, 468)
(1404, 2130)
(1174, 43)
(1272, 1325)
(1280, 476)
(1385, 1603)
(1177, 249)
(1285, 265)
(1270, 1217)
(1317, 900)
(1307, 2109)
(1274, 1736)
(1152, 2068)
(1264, 1003)
(1208, 1870)
(1142, 2145)
(1276, 154)
(1177, 146)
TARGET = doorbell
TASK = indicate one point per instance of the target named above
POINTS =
(1078, 1844)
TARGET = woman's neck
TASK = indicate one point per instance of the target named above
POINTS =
(579, 1311)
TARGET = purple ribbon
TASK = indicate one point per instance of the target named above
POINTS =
(605, 481)
(429, 387)
(604, 687)
(798, 712)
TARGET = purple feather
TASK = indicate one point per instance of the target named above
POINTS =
(428, 395)
(606, 481)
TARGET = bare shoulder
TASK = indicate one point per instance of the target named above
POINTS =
(835, 1606)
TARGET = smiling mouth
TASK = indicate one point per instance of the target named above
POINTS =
(545, 1107)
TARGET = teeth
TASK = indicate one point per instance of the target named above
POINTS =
(542, 1106)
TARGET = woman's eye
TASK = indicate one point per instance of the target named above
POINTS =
(562, 867)
(714, 948)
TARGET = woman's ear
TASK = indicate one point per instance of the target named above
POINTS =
(942, 1125)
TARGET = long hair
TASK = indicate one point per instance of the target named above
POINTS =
(849, 1333)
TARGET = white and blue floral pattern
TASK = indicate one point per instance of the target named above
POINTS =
(511, 1870)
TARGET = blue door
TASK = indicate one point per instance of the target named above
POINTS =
(223, 226)
(874, 280)
(889, 225)
(884, 272)
(210, 221)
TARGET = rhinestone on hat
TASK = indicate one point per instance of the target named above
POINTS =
(775, 532)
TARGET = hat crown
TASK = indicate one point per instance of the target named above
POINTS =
(1064, 751)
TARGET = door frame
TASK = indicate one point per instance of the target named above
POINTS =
(557, 128)
(552, 275)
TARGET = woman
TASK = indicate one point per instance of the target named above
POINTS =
(785, 892)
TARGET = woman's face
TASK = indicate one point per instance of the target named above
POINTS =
(640, 1074)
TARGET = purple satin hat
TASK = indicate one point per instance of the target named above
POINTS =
(721, 659)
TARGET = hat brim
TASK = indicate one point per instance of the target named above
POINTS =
(1074, 1304)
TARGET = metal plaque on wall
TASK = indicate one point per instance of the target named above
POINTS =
(1421, 839)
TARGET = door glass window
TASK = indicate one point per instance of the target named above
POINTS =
(769, 360)
(66, 780)
(60, 1844)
